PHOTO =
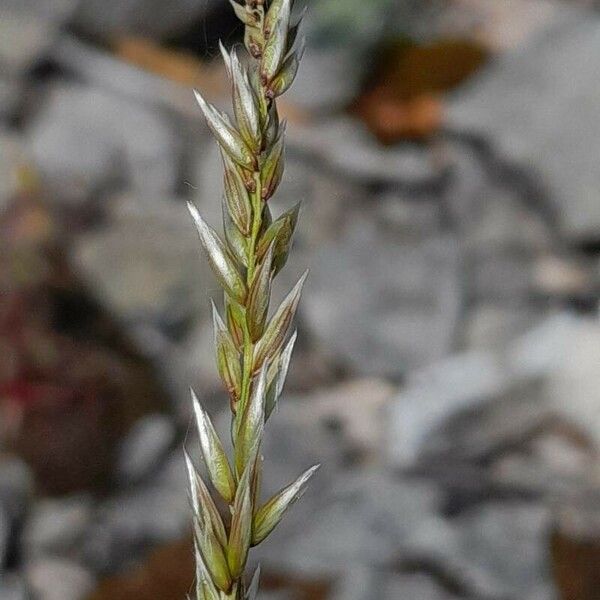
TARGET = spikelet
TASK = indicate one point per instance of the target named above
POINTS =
(253, 351)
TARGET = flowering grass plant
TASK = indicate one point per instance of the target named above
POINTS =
(253, 344)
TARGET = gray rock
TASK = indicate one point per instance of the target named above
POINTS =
(132, 524)
(503, 275)
(491, 325)
(475, 405)
(52, 11)
(434, 395)
(564, 277)
(507, 548)
(11, 154)
(11, 91)
(358, 582)
(5, 532)
(147, 265)
(362, 428)
(144, 446)
(192, 363)
(361, 520)
(501, 26)
(207, 183)
(12, 587)
(534, 108)
(29, 30)
(103, 70)
(25, 37)
(498, 550)
(128, 524)
(491, 408)
(490, 207)
(140, 17)
(407, 216)
(279, 595)
(328, 79)
(410, 587)
(538, 351)
(573, 387)
(551, 465)
(358, 28)
(54, 579)
(88, 138)
(362, 583)
(344, 144)
(509, 420)
(297, 440)
(348, 516)
(504, 238)
(564, 351)
(402, 300)
(56, 526)
(16, 487)
(318, 428)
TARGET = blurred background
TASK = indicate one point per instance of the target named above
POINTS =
(448, 369)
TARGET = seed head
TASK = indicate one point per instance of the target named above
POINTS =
(253, 351)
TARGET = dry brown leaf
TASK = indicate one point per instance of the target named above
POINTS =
(404, 98)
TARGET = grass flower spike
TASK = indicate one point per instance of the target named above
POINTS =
(253, 351)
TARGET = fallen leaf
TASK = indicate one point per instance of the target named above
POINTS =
(404, 97)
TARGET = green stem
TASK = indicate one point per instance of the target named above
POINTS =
(248, 350)
(248, 355)
(256, 223)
